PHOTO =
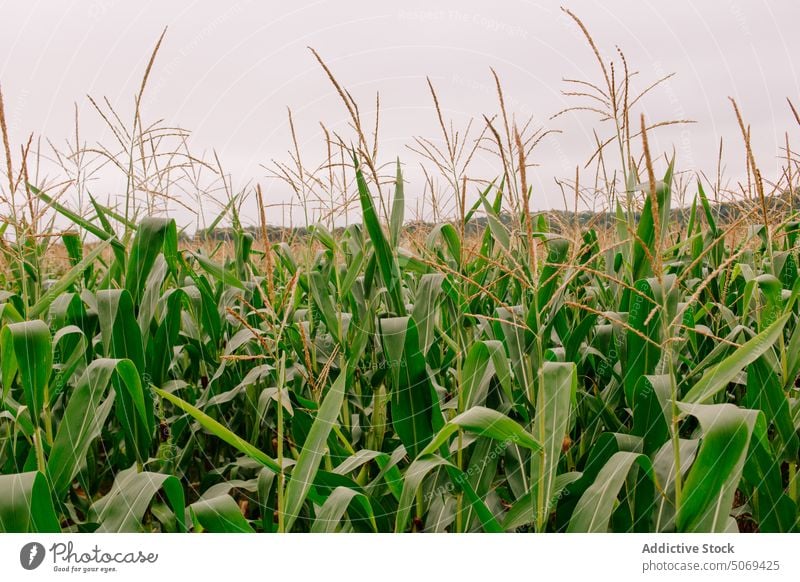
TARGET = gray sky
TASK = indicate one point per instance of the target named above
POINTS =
(227, 72)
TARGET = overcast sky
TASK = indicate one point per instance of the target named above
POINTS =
(227, 72)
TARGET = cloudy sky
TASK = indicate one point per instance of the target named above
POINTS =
(228, 71)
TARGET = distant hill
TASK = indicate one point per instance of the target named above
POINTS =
(724, 212)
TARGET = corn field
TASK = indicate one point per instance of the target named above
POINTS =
(527, 383)
(509, 374)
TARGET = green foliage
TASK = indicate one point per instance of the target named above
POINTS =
(373, 381)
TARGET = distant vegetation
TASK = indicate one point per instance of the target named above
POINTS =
(779, 206)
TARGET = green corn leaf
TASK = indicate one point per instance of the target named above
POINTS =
(122, 508)
(27, 347)
(218, 430)
(712, 481)
(594, 509)
(765, 393)
(411, 394)
(87, 409)
(335, 506)
(219, 514)
(153, 236)
(222, 275)
(487, 423)
(387, 261)
(554, 399)
(398, 209)
(313, 450)
(26, 505)
(717, 377)
(67, 280)
(651, 414)
(75, 218)
(412, 481)
(644, 245)
(119, 329)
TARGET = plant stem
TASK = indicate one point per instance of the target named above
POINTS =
(281, 476)
(40, 462)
